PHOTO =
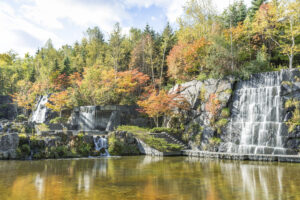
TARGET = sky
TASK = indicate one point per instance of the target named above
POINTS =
(26, 25)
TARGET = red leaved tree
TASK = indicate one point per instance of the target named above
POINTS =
(161, 103)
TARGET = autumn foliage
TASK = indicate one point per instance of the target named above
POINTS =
(59, 101)
(161, 103)
(213, 105)
(185, 59)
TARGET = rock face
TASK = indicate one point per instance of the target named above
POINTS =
(8, 146)
(241, 116)
(122, 143)
(105, 118)
(7, 109)
(204, 97)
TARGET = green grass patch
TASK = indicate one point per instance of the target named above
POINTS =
(159, 144)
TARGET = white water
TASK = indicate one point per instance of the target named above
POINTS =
(257, 115)
(39, 114)
(101, 143)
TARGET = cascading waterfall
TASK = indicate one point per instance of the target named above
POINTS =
(39, 115)
(256, 114)
(101, 145)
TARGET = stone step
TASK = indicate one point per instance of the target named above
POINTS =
(168, 138)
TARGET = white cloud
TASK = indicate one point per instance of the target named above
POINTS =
(26, 24)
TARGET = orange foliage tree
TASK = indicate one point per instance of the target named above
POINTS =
(59, 101)
(213, 105)
(101, 86)
(27, 93)
(160, 103)
(176, 62)
(186, 59)
(130, 84)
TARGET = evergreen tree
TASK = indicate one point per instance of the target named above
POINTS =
(235, 13)
(66, 67)
(255, 4)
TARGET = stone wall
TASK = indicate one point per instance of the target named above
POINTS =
(7, 109)
(8, 146)
(106, 118)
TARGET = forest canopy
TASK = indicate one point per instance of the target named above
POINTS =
(140, 67)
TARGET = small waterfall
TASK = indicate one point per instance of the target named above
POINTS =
(101, 145)
(39, 114)
(256, 114)
(87, 118)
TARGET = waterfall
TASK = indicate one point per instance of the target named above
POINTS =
(39, 114)
(101, 145)
(256, 115)
(87, 118)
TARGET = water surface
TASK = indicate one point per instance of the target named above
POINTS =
(147, 178)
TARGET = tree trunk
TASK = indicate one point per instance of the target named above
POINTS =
(162, 67)
(291, 61)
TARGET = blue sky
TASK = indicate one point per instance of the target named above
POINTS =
(27, 24)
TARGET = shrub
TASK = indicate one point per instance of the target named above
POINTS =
(43, 127)
(225, 112)
(62, 151)
(23, 151)
(202, 93)
(197, 138)
(161, 129)
(202, 77)
(214, 140)
(23, 139)
(84, 149)
(222, 122)
(177, 133)
(36, 143)
(21, 118)
(58, 120)
(228, 91)
(289, 83)
(118, 147)
(294, 121)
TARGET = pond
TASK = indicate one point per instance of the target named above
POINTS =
(143, 177)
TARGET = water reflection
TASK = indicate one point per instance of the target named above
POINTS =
(148, 178)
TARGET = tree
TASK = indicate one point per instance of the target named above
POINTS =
(198, 21)
(255, 5)
(279, 21)
(186, 60)
(143, 56)
(59, 102)
(161, 103)
(167, 43)
(66, 66)
(234, 14)
(176, 62)
(115, 43)
(25, 97)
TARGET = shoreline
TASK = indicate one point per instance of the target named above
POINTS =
(249, 157)
(199, 154)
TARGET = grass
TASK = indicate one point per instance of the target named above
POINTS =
(159, 144)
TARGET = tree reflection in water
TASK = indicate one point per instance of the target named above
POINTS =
(147, 178)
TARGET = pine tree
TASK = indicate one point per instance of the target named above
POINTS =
(255, 4)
